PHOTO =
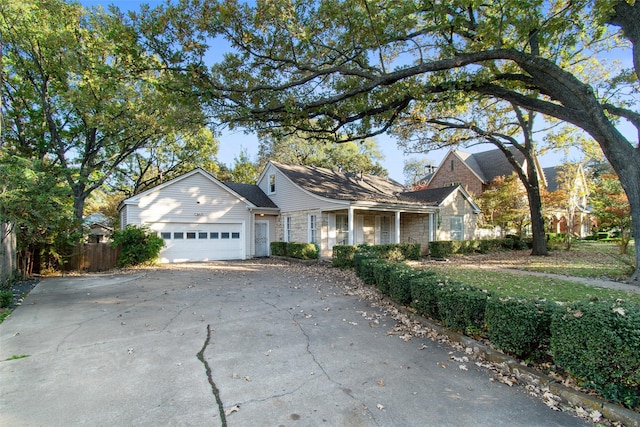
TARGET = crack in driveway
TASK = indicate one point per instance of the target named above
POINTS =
(214, 387)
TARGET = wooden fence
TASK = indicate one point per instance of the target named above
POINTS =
(93, 257)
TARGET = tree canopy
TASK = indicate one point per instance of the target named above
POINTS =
(80, 93)
(343, 70)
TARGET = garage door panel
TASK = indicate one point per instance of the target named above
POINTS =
(202, 242)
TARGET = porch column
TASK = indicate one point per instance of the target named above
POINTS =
(350, 222)
(432, 227)
(396, 238)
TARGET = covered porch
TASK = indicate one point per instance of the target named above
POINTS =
(378, 225)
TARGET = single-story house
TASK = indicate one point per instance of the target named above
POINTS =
(202, 218)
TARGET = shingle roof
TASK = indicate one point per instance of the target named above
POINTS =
(552, 178)
(347, 186)
(491, 164)
(432, 196)
(252, 193)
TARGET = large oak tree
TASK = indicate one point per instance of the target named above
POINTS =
(347, 70)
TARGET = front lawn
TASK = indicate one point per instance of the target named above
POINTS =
(585, 259)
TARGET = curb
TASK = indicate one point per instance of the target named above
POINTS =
(525, 374)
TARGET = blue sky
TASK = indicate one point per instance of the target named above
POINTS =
(232, 143)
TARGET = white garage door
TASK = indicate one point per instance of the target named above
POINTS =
(201, 242)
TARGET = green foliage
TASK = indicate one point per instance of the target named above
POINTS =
(462, 307)
(138, 245)
(279, 248)
(424, 295)
(365, 268)
(6, 298)
(382, 275)
(441, 249)
(343, 256)
(520, 327)
(351, 157)
(400, 276)
(295, 250)
(446, 248)
(598, 342)
(302, 250)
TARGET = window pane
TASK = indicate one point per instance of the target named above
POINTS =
(178, 235)
(214, 235)
(191, 235)
(202, 235)
(235, 235)
(165, 235)
(456, 228)
(225, 235)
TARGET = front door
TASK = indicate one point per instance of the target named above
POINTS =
(262, 238)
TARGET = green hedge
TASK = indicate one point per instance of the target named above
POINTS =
(295, 250)
(446, 248)
(400, 278)
(596, 342)
(279, 248)
(599, 343)
(343, 255)
(462, 307)
(424, 295)
(520, 327)
(381, 274)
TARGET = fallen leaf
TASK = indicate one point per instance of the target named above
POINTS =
(379, 406)
(463, 367)
(381, 383)
(232, 410)
(130, 351)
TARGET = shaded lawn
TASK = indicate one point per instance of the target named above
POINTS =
(514, 284)
(586, 259)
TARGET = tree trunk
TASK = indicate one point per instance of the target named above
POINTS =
(539, 247)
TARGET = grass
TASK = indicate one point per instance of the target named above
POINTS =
(515, 284)
(586, 259)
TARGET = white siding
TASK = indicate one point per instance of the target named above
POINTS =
(289, 197)
(194, 202)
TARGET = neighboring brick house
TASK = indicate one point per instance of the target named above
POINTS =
(475, 171)
(203, 219)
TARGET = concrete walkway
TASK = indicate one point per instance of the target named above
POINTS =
(256, 343)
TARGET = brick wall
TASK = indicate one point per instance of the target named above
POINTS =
(444, 176)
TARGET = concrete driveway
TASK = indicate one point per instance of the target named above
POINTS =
(253, 343)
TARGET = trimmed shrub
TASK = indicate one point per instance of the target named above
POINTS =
(279, 248)
(520, 327)
(400, 277)
(599, 343)
(441, 249)
(139, 245)
(364, 268)
(381, 274)
(302, 250)
(343, 256)
(424, 294)
(462, 307)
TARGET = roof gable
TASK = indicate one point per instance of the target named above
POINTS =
(438, 196)
(198, 171)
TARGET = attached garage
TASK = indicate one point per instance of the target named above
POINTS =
(198, 217)
(201, 242)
